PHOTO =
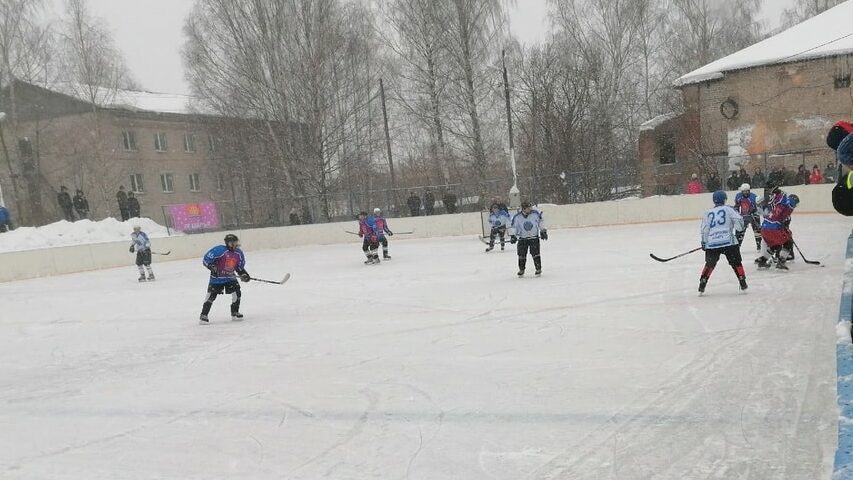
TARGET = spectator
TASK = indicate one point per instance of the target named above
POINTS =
(294, 217)
(694, 185)
(815, 177)
(758, 178)
(132, 206)
(733, 182)
(121, 196)
(788, 177)
(81, 204)
(743, 177)
(429, 202)
(830, 172)
(306, 215)
(449, 202)
(5, 219)
(414, 203)
(802, 176)
(65, 203)
(713, 183)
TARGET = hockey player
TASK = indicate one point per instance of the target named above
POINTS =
(367, 231)
(775, 232)
(381, 226)
(226, 264)
(721, 226)
(499, 221)
(528, 227)
(142, 246)
(746, 205)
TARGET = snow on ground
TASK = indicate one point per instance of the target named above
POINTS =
(438, 364)
(64, 233)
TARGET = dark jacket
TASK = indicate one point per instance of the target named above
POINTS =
(121, 196)
(64, 200)
(133, 206)
(81, 204)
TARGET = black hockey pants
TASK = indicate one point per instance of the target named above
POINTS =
(497, 231)
(533, 245)
(214, 290)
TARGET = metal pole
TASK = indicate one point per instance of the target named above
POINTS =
(514, 194)
(388, 145)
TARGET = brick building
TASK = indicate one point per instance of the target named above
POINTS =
(153, 144)
(766, 107)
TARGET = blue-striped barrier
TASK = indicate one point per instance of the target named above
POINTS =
(843, 468)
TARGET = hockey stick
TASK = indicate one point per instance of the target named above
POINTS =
(283, 280)
(351, 233)
(404, 233)
(810, 262)
(655, 257)
(163, 253)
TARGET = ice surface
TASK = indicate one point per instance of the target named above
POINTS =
(438, 364)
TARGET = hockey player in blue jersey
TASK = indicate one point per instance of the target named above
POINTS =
(721, 226)
(142, 246)
(499, 221)
(746, 204)
(528, 227)
(226, 263)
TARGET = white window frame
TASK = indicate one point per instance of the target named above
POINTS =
(128, 140)
(212, 143)
(167, 182)
(189, 143)
(137, 185)
(160, 143)
(195, 186)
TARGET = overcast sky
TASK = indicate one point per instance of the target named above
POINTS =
(149, 33)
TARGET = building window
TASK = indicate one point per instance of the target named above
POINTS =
(194, 183)
(189, 143)
(128, 140)
(136, 185)
(166, 182)
(666, 150)
(160, 142)
(213, 143)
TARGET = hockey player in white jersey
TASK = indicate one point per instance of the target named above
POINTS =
(721, 227)
(528, 227)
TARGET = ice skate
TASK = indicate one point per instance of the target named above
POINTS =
(742, 282)
(141, 278)
(489, 249)
(150, 277)
(203, 320)
(538, 272)
(703, 281)
(520, 273)
(236, 317)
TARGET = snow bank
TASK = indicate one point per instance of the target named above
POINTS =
(64, 233)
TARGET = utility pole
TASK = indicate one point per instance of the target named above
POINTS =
(514, 194)
(388, 147)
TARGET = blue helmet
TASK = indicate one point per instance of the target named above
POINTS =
(719, 197)
(793, 201)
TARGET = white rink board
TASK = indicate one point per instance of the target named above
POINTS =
(438, 364)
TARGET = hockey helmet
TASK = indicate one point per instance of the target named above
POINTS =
(231, 238)
(137, 228)
(525, 204)
(377, 211)
(771, 186)
(793, 200)
(719, 197)
(362, 213)
(744, 187)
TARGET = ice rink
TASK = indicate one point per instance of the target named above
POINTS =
(438, 364)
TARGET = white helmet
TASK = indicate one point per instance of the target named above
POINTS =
(744, 187)
(377, 210)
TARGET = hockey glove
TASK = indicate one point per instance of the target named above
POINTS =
(131, 249)
(513, 239)
(543, 234)
(703, 246)
(212, 270)
(245, 277)
(739, 236)
(390, 234)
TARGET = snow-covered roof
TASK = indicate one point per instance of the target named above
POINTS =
(655, 122)
(132, 100)
(825, 35)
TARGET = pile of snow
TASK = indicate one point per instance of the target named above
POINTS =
(64, 233)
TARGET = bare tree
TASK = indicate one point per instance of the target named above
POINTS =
(805, 9)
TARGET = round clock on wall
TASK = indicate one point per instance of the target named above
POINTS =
(729, 108)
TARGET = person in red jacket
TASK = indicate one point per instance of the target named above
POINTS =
(816, 176)
(694, 185)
